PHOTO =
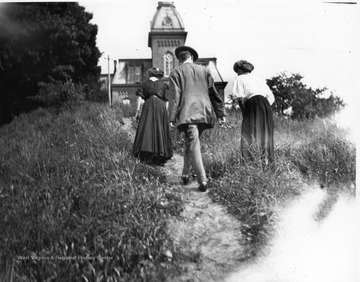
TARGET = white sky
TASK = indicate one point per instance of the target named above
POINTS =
(320, 41)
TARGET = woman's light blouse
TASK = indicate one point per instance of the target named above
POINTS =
(247, 85)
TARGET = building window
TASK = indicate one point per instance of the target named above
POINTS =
(168, 63)
(134, 74)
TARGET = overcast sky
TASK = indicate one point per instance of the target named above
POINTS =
(319, 40)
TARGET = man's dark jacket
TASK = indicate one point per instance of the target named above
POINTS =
(193, 97)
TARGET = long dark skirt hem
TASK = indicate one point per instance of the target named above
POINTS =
(257, 131)
(153, 134)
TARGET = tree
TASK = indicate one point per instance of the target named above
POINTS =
(40, 44)
(291, 93)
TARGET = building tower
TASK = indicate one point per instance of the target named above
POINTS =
(166, 33)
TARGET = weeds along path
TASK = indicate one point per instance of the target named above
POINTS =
(205, 232)
(127, 126)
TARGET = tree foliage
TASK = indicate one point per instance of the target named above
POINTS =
(44, 44)
(297, 100)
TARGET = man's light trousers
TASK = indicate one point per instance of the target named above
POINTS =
(192, 154)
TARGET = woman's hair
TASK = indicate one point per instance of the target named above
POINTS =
(243, 65)
(156, 72)
(184, 55)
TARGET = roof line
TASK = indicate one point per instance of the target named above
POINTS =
(134, 59)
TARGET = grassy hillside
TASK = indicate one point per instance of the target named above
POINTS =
(76, 206)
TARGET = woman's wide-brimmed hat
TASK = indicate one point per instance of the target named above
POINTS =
(186, 48)
(244, 66)
(155, 71)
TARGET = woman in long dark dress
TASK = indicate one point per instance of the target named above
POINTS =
(255, 100)
(153, 136)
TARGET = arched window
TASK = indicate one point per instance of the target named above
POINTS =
(168, 63)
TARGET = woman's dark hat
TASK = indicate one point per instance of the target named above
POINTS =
(244, 66)
(186, 48)
(155, 71)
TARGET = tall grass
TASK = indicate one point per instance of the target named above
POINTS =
(309, 152)
(75, 205)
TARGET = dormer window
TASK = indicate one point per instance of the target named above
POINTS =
(133, 74)
(168, 63)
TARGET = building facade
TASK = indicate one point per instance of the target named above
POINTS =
(167, 32)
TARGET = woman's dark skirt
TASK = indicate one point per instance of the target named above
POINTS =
(257, 132)
(153, 136)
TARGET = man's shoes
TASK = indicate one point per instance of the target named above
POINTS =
(185, 179)
(203, 186)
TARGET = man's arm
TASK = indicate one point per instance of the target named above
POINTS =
(139, 103)
(216, 100)
(174, 96)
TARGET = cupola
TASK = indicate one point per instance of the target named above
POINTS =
(167, 32)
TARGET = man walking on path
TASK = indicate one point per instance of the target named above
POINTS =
(194, 106)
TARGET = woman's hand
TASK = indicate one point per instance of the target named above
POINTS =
(221, 121)
(233, 97)
(137, 116)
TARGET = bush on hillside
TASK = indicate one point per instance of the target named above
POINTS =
(44, 42)
(295, 99)
(59, 94)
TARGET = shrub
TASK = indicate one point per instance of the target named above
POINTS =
(99, 96)
(302, 101)
(59, 94)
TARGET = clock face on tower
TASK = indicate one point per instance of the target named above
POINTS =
(167, 22)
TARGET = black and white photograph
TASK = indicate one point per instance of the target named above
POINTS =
(179, 141)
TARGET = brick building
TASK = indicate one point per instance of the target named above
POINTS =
(167, 32)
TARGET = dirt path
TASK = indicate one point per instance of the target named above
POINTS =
(205, 229)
